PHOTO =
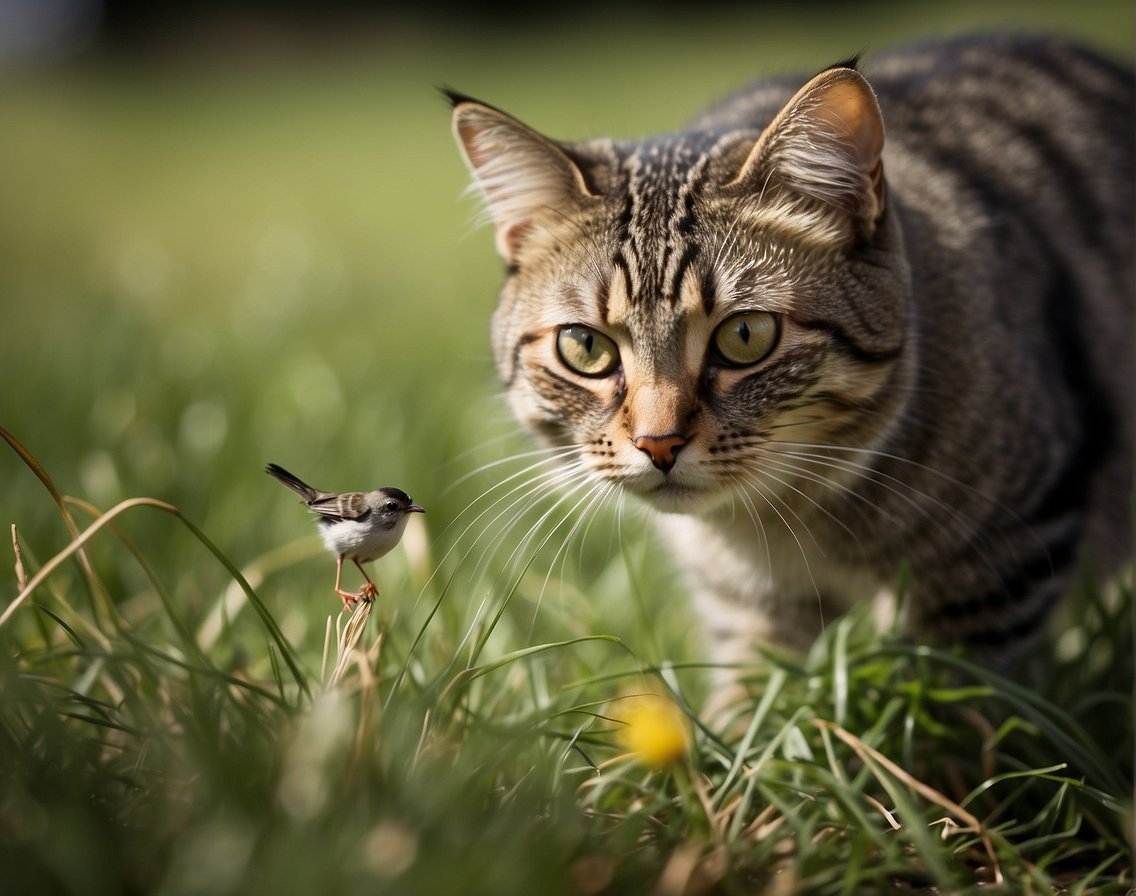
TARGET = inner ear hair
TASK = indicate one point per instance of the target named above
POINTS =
(518, 171)
(826, 143)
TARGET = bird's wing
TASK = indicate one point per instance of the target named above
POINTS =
(348, 506)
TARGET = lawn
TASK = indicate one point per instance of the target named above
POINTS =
(218, 251)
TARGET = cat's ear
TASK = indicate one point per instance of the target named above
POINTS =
(518, 171)
(826, 144)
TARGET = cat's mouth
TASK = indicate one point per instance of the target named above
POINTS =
(673, 496)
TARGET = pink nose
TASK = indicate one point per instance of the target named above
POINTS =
(661, 449)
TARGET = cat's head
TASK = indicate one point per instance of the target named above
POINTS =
(678, 308)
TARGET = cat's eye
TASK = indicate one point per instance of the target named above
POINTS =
(586, 351)
(746, 338)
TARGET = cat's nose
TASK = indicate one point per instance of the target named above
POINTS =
(661, 449)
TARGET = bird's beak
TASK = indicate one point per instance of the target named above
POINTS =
(415, 508)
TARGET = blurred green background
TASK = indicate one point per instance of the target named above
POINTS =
(234, 234)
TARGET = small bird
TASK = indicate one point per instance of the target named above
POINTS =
(355, 526)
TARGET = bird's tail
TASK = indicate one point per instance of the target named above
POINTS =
(300, 487)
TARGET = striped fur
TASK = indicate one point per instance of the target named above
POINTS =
(946, 255)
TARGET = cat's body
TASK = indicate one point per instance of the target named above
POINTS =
(823, 354)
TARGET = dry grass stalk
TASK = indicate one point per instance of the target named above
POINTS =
(349, 639)
(870, 755)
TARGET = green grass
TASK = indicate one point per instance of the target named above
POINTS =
(207, 264)
(141, 756)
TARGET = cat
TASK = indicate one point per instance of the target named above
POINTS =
(842, 326)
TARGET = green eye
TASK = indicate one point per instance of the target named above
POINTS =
(585, 351)
(746, 338)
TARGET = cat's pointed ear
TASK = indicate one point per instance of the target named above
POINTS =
(518, 171)
(826, 144)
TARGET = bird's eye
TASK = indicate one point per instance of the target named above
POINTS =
(586, 351)
(390, 507)
(745, 338)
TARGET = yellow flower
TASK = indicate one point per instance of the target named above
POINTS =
(653, 728)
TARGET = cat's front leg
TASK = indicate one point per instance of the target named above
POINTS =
(756, 587)
(737, 628)
(744, 601)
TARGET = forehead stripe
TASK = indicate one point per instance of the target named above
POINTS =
(709, 291)
(680, 271)
(619, 262)
(662, 186)
(602, 300)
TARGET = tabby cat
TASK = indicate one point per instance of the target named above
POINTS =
(822, 354)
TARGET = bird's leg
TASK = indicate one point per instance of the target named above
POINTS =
(348, 598)
(368, 592)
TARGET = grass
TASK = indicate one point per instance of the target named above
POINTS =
(210, 264)
(412, 755)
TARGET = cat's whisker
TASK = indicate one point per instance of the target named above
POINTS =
(516, 509)
(620, 510)
(754, 477)
(556, 452)
(902, 489)
(755, 517)
(949, 481)
(539, 482)
(768, 497)
(561, 493)
(964, 525)
(763, 468)
(876, 453)
(544, 481)
(594, 510)
(543, 467)
(913, 496)
(522, 548)
(785, 462)
(591, 501)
